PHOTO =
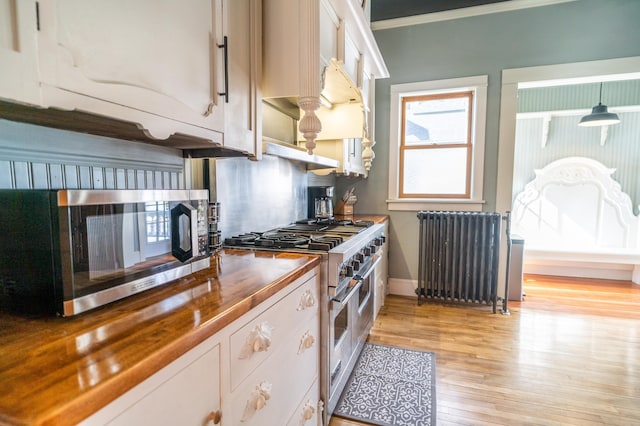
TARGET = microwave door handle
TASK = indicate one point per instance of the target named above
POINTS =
(183, 210)
(194, 233)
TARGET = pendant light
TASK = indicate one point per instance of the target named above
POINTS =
(599, 115)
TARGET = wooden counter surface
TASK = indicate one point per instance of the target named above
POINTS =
(60, 370)
(377, 218)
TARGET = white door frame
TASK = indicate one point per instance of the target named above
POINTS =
(514, 78)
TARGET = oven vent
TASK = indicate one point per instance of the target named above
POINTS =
(458, 256)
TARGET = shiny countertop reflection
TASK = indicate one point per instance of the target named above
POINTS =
(60, 370)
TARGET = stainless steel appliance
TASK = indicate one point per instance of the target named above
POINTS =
(349, 253)
(320, 202)
(69, 251)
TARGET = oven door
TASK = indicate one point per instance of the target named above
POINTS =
(362, 314)
(341, 337)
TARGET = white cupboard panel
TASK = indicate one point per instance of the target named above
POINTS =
(265, 335)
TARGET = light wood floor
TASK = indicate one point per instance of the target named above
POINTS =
(569, 354)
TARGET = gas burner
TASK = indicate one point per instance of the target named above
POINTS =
(281, 240)
(325, 243)
(242, 239)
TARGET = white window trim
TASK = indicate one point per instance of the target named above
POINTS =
(479, 85)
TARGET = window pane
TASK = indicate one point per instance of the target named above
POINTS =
(435, 171)
(436, 121)
(157, 215)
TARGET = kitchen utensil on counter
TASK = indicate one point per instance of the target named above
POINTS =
(320, 202)
(344, 207)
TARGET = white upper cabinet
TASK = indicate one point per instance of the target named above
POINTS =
(187, 74)
(243, 128)
(18, 52)
(315, 51)
(141, 61)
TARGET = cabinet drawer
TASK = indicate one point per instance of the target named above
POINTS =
(282, 380)
(185, 392)
(267, 333)
(307, 412)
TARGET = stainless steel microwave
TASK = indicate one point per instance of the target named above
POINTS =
(68, 251)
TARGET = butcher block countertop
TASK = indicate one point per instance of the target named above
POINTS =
(60, 370)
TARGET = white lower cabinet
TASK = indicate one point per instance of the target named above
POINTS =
(186, 392)
(262, 369)
(308, 412)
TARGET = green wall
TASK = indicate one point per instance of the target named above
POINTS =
(577, 31)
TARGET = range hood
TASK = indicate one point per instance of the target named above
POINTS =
(280, 134)
(291, 152)
(342, 115)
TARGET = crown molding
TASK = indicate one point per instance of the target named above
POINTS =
(462, 13)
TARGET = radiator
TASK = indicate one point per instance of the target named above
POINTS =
(458, 256)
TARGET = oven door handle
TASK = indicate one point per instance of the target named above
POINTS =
(343, 299)
(369, 269)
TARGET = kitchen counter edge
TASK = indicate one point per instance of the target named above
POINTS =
(61, 370)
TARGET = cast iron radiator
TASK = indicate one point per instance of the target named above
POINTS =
(458, 256)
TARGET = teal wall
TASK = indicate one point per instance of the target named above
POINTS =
(577, 31)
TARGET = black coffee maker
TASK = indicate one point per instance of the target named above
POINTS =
(320, 202)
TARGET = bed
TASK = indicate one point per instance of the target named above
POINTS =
(576, 221)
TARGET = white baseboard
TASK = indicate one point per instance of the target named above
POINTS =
(402, 287)
(607, 271)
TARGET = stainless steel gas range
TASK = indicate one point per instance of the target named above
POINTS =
(349, 253)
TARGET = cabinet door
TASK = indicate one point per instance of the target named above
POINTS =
(243, 106)
(329, 25)
(354, 156)
(352, 62)
(18, 56)
(187, 398)
(152, 56)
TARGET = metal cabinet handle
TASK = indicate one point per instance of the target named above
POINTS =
(225, 48)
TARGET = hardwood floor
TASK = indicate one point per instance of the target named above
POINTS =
(569, 354)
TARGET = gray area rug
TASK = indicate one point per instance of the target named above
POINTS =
(391, 386)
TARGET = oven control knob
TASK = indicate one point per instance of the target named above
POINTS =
(367, 251)
(373, 248)
(343, 273)
(378, 241)
(359, 257)
(356, 265)
(349, 269)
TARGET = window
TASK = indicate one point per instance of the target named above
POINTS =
(436, 155)
(157, 215)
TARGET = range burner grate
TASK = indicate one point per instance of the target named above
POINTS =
(281, 240)
(242, 239)
(324, 242)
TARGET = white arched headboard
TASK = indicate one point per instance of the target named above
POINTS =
(573, 210)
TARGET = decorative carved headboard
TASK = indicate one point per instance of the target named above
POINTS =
(573, 204)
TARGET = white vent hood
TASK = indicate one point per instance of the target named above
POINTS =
(342, 112)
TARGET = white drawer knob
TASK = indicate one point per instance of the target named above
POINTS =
(258, 340)
(306, 342)
(308, 411)
(257, 400)
(306, 301)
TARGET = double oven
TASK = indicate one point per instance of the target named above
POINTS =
(350, 254)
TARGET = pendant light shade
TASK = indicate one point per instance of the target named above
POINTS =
(599, 116)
